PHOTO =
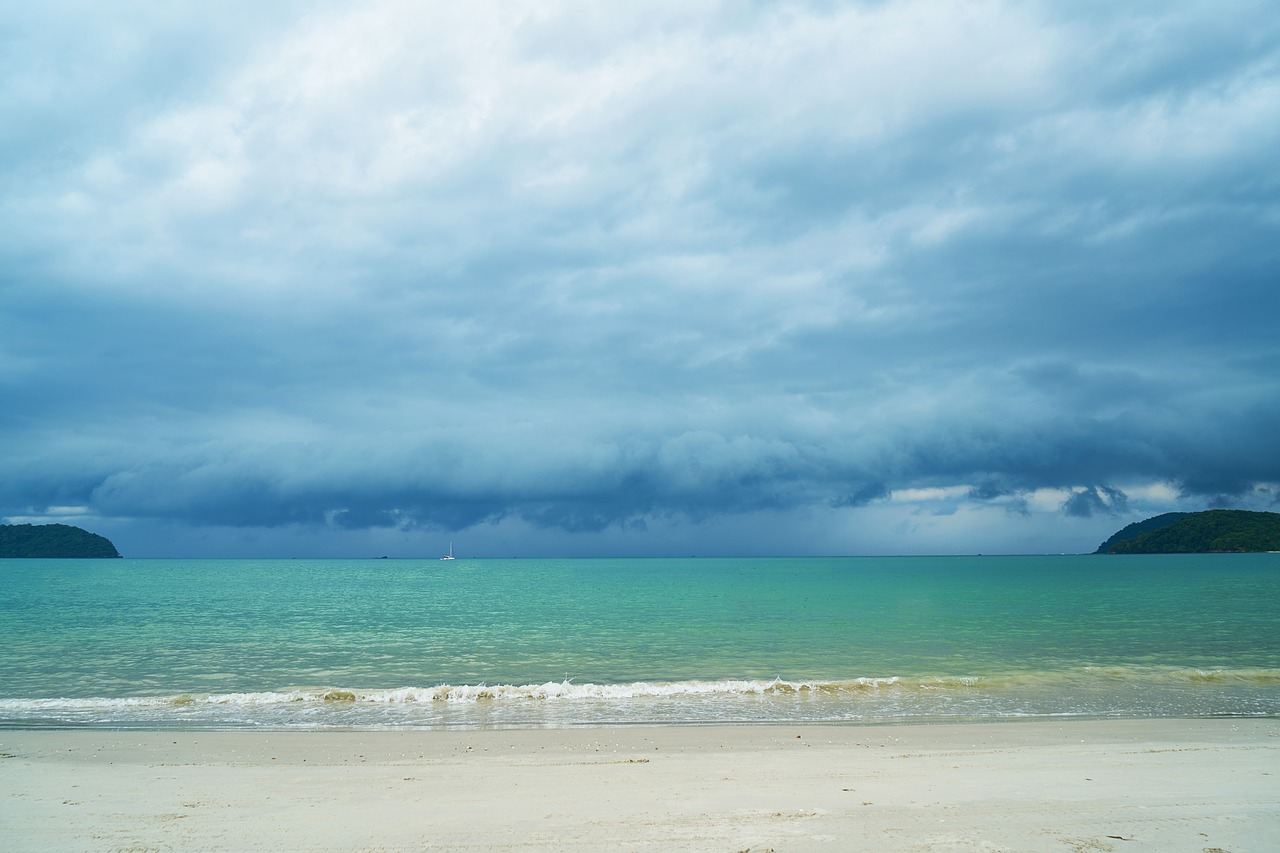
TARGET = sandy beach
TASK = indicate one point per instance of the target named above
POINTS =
(1169, 785)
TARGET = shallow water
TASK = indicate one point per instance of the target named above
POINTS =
(425, 643)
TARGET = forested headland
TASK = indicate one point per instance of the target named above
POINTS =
(1211, 531)
(52, 540)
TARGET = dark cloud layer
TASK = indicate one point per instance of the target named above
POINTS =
(887, 276)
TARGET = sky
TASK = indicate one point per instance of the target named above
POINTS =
(658, 278)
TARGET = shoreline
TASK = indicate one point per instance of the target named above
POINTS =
(1073, 785)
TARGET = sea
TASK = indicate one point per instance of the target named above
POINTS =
(534, 643)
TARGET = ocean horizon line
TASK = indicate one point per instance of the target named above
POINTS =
(744, 556)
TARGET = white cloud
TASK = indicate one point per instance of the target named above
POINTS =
(569, 264)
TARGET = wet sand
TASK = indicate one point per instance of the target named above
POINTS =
(1124, 785)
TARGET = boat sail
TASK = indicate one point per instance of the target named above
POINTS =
(449, 556)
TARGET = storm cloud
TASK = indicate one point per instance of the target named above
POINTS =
(725, 276)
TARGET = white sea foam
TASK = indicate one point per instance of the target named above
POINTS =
(552, 691)
(869, 691)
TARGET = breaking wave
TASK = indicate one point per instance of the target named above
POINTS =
(1087, 691)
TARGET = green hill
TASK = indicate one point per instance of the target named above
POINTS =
(1214, 530)
(52, 540)
(1133, 530)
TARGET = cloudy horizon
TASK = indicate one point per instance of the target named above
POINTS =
(675, 278)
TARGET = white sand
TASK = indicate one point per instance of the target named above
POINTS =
(1167, 785)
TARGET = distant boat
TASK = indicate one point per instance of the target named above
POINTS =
(449, 556)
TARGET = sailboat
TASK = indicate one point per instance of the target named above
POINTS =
(449, 556)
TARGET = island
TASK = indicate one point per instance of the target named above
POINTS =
(52, 540)
(1211, 531)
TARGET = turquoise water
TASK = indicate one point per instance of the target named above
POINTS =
(467, 643)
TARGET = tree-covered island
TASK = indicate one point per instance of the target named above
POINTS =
(52, 540)
(1211, 531)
